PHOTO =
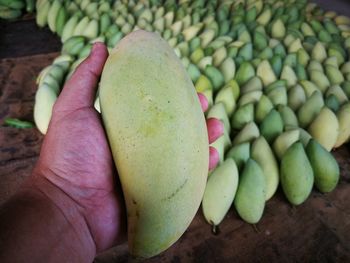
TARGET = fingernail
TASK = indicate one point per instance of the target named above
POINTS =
(95, 47)
(215, 129)
(204, 102)
(213, 158)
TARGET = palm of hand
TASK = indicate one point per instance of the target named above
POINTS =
(80, 162)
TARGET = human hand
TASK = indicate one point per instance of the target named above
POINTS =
(76, 158)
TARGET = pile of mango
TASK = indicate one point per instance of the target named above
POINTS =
(275, 72)
(12, 9)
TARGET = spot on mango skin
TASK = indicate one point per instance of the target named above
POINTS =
(155, 119)
(177, 190)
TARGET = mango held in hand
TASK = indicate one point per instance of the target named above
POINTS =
(297, 177)
(158, 136)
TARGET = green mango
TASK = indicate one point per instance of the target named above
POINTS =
(251, 193)
(297, 176)
(249, 132)
(289, 75)
(332, 61)
(228, 69)
(343, 116)
(245, 72)
(259, 40)
(278, 96)
(226, 96)
(242, 116)
(310, 109)
(301, 72)
(303, 57)
(262, 153)
(253, 84)
(305, 137)
(315, 65)
(197, 55)
(266, 73)
(309, 87)
(219, 192)
(319, 52)
(338, 92)
(271, 126)
(325, 128)
(235, 88)
(332, 103)
(346, 88)
(215, 76)
(219, 56)
(284, 141)
(334, 75)
(252, 96)
(262, 108)
(276, 64)
(240, 153)
(324, 165)
(291, 60)
(154, 188)
(320, 80)
(193, 72)
(203, 83)
(278, 29)
(288, 116)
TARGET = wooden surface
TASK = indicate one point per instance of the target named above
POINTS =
(316, 231)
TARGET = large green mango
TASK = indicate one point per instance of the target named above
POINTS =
(158, 136)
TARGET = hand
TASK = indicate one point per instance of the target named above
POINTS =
(76, 158)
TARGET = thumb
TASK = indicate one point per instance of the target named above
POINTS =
(80, 89)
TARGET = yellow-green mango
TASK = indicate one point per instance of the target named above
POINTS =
(249, 132)
(261, 152)
(325, 167)
(284, 141)
(343, 116)
(262, 108)
(271, 126)
(242, 116)
(325, 128)
(219, 192)
(310, 109)
(240, 153)
(297, 177)
(158, 137)
(250, 196)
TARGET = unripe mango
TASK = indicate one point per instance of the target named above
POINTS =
(325, 167)
(219, 192)
(240, 153)
(297, 176)
(272, 125)
(158, 137)
(261, 152)
(343, 116)
(325, 128)
(250, 197)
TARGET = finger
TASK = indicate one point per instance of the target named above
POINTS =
(80, 90)
(204, 102)
(215, 129)
(213, 158)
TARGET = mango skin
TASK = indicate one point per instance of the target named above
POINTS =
(158, 137)
(297, 176)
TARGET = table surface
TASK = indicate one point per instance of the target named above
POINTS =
(316, 231)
